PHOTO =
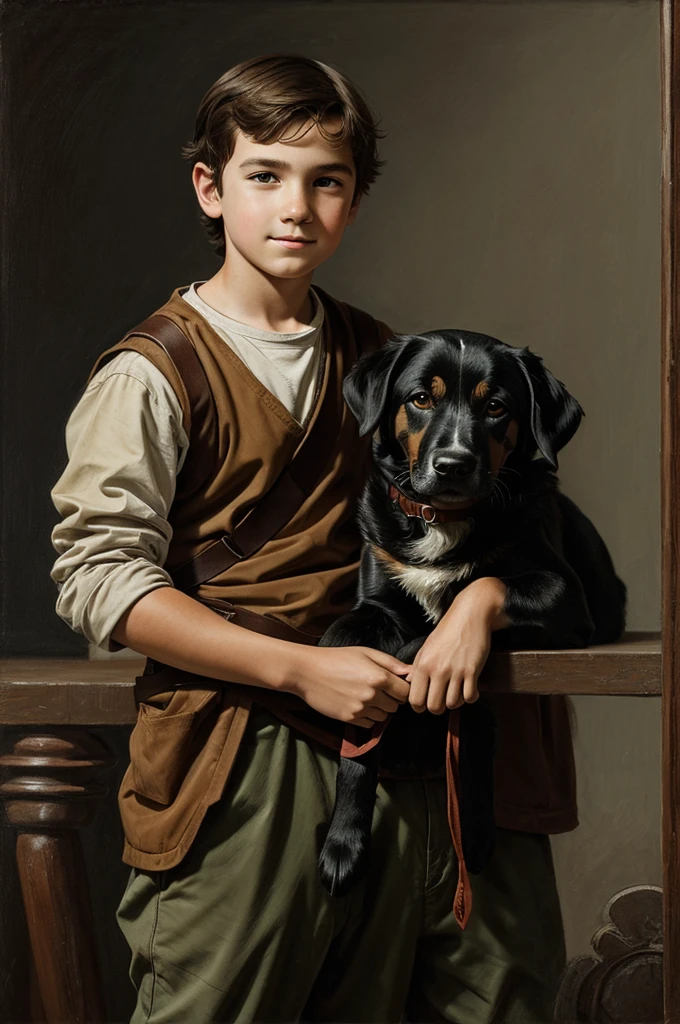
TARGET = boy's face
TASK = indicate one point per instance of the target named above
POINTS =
(274, 192)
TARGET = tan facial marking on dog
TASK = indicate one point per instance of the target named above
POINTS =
(481, 390)
(413, 445)
(499, 450)
(511, 435)
(437, 388)
(409, 442)
(383, 556)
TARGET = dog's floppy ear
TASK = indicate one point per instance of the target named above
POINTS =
(367, 384)
(555, 414)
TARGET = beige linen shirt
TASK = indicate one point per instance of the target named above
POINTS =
(126, 443)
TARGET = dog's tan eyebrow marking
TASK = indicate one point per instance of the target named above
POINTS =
(438, 387)
(481, 390)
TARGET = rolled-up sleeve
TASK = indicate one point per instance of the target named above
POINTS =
(125, 443)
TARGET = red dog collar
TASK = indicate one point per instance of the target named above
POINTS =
(428, 513)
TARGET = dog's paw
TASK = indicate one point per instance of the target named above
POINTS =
(343, 862)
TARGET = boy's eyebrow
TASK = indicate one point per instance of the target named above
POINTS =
(281, 165)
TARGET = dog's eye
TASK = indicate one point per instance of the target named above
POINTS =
(422, 400)
(495, 408)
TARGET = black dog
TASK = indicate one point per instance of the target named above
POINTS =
(466, 435)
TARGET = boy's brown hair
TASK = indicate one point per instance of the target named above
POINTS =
(263, 97)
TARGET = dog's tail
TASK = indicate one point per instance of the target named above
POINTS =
(346, 852)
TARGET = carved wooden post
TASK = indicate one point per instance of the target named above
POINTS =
(49, 790)
(622, 983)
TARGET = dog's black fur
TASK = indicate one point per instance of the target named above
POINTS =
(446, 408)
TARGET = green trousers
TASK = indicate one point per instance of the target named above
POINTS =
(242, 930)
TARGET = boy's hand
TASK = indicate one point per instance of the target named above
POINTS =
(353, 684)
(447, 666)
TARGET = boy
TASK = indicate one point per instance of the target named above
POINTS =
(226, 801)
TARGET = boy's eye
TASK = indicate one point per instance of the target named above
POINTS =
(495, 408)
(263, 174)
(422, 400)
(267, 178)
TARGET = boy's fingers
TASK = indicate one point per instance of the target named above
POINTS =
(365, 723)
(420, 682)
(396, 687)
(399, 668)
(387, 703)
(454, 697)
(436, 697)
(470, 691)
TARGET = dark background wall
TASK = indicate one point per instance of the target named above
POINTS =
(520, 198)
(101, 226)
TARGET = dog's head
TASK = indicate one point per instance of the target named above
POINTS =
(454, 405)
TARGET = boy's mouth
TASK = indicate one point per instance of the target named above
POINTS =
(292, 241)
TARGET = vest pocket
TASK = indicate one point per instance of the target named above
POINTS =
(166, 739)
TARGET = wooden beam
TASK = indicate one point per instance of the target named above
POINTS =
(52, 691)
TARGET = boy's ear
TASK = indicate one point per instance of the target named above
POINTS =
(555, 415)
(367, 385)
(206, 190)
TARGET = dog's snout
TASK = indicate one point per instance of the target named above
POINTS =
(452, 465)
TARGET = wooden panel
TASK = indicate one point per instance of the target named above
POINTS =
(670, 504)
(42, 691)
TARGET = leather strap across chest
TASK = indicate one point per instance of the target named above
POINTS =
(293, 485)
(203, 429)
(276, 508)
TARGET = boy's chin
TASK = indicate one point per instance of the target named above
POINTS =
(289, 270)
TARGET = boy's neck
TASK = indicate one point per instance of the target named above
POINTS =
(270, 304)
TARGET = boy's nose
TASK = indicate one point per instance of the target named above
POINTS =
(297, 208)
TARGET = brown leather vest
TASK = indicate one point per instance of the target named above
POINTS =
(305, 576)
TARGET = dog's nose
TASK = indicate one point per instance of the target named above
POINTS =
(461, 465)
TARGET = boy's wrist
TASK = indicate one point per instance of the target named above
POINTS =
(486, 599)
(287, 672)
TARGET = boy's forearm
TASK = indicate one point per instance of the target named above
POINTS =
(485, 597)
(171, 627)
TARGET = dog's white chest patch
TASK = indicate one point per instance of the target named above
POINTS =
(428, 583)
(437, 541)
